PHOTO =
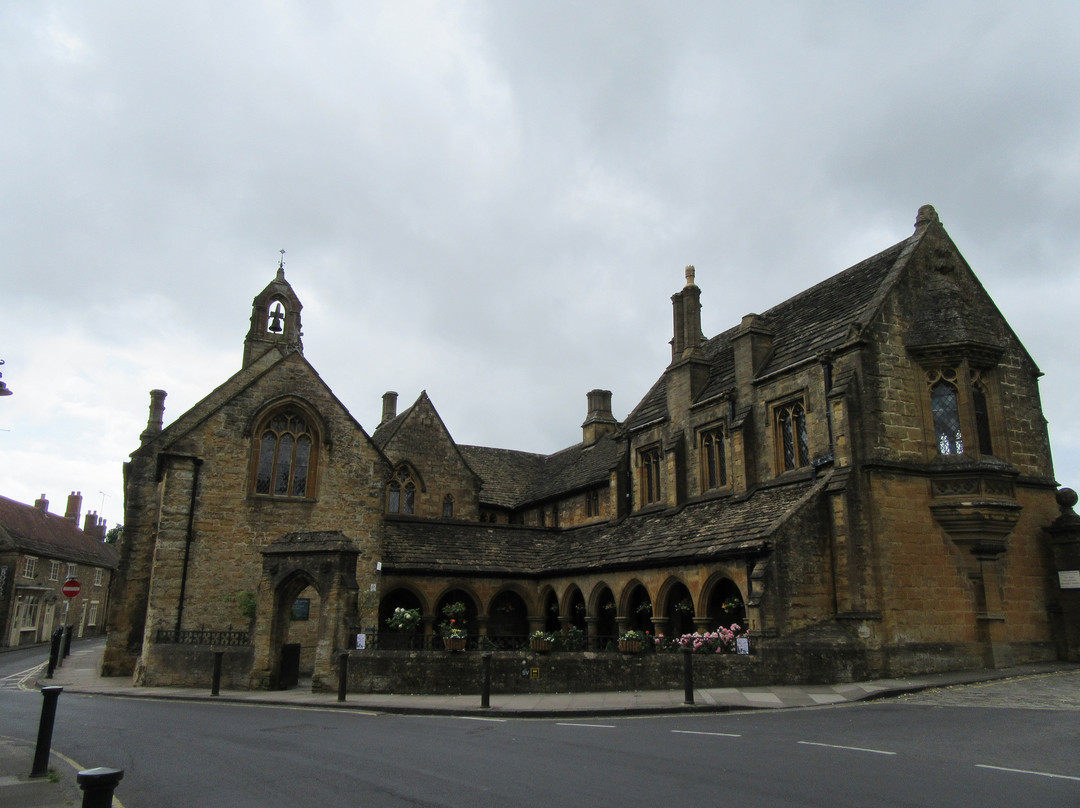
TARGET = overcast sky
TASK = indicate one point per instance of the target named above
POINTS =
(495, 201)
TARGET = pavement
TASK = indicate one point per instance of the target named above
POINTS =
(79, 674)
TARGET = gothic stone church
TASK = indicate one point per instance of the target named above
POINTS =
(860, 476)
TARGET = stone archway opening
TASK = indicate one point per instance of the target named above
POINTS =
(508, 621)
(551, 613)
(726, 605)
(296, 630)
(640, 609)
(467, 622)
(679, 608)
(402, 638)
(607, 628)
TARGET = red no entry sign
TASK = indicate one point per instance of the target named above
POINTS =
(71, 588)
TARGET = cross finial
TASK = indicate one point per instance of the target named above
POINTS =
(281, 266)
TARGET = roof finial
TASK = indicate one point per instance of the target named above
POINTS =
(927, 215)
(689, 274)
(281, 266)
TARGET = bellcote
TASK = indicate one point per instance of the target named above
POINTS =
(275, 319)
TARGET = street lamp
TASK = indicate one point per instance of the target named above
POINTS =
(3, 387)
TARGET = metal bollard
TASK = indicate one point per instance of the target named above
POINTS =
(54, 654)
(67, 642)
(485, 679)
(97, 785)
(45, 728)
(215, 686)
(688, 676)
(342, 675)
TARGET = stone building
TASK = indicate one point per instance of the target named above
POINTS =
(39, 553)
(860, 475)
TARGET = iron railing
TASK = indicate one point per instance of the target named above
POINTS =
(201, 637)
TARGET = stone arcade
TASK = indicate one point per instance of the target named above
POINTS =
(860, 475)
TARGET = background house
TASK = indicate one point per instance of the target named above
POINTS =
(39, 553)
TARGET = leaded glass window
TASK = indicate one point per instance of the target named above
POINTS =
(945, 407)
(401, 493)
(794, 440)
(285, 456)
(714, 463)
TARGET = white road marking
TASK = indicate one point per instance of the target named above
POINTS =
(480, 718)
(849, 748)
(575, 724)
(695, 732)
(1025, 771)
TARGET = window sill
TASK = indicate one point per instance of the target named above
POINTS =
(272, 498)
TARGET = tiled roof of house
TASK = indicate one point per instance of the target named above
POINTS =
(27, 529)
(817, 319)
(702, 530)
(507, 474)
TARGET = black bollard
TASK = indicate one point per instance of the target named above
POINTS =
(67, 642)
(45, 728)
(54, 654)
(342, 675)
(98, 785)
(485, 679)
(688, 676)
(215, 686)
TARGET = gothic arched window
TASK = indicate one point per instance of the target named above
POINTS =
(401, 493)
(287, 449)
(794, 441)
(944, 404)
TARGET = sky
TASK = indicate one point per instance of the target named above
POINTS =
(494, 201)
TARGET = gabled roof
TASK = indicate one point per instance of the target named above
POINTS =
(709, 529)
(30, 530)
(823, 317)
(506, 474)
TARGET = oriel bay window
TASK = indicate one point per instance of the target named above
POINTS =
(287, 448)
(960, 412)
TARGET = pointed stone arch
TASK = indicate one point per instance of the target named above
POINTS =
(603, 608)
(508, 618)
(325, 561)
(636, 606)
(724, 600)
(549, 606)
(404, 596)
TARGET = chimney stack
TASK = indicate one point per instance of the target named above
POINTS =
(74, 506)
(42, 504)
(157, 414)
(686, 308)
(94, 527)
(389, 406)
(599, 420)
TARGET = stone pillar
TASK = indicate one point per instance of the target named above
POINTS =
(1064, 539)
(661, 625)
(592, 633)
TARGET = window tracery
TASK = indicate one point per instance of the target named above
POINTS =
(286, 455)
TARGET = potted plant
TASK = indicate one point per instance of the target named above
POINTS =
(453, 627)
(404, 619)
(630, 642)
(541, 641)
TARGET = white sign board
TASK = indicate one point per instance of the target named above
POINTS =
(742, 645)
(1069, 579)
(361, 642)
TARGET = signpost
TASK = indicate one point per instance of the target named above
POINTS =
(71, 587)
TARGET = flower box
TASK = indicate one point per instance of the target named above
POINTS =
(540, 646)
(630, 646)
(454, 643)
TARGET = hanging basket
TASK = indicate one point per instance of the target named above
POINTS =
(454, 643)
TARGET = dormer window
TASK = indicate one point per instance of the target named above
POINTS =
(794, 443)
(287, 448)
(713, 460)
(649, 475)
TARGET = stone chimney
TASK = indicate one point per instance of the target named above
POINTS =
(389, 406)
(752, 345)
(599, 421)
(74, 506)
(94, 527)
(42, 504)
(157, 414)
(686, 308)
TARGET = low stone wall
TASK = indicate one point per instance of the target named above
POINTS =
(168, 665)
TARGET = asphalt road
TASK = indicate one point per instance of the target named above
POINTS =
(925, 750)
